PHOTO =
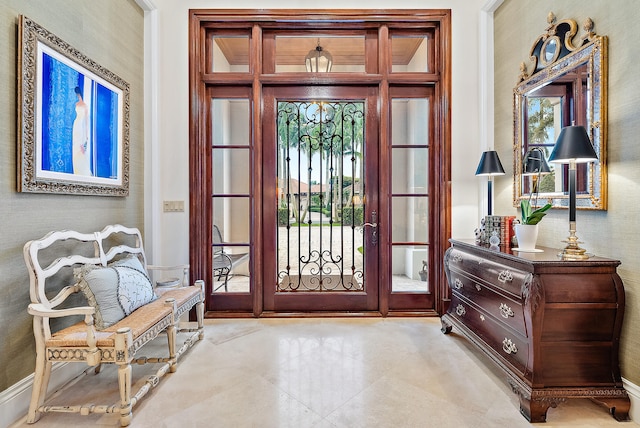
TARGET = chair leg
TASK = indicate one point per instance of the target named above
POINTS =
(200, 319)
(200, 310)
(123, 339)
(42, 373)
(171, 339)
(40, 384)
(222, 272)
(171, 336)
(124, 384)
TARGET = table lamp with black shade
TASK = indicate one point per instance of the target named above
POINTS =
(489, 166)
(573, 146)
(535, 163)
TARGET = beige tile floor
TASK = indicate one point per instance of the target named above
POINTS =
(326, 373)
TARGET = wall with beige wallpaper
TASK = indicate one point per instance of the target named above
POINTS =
(112, 34)
(613, 233)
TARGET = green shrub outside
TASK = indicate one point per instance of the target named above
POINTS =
(283, 216)
(351, 214)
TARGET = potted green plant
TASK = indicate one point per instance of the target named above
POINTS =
(534, 164)
(531, 216)
(527, 230)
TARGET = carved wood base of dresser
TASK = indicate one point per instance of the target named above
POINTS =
(534, 402)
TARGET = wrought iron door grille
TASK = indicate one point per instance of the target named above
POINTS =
(320, 196)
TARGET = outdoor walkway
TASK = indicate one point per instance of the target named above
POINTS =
(340, 242)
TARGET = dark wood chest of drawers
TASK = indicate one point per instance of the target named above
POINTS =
(552, 326)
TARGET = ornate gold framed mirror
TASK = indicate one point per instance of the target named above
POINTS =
(566, 85)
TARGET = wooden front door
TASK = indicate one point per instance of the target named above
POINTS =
(320, 191)
(321, 220)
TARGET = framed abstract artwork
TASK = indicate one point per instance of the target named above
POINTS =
(73, 119)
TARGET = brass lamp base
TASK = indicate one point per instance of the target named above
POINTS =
(573, 251)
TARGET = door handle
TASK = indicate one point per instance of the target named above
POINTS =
(374, 226)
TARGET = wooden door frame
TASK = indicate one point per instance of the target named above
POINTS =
(408, 303)
(378, 72)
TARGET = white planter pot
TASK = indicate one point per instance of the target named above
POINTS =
(527, 235)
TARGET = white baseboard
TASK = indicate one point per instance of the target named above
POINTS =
(634, 395)
(14, 401)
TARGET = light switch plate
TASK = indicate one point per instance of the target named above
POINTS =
(173, 206)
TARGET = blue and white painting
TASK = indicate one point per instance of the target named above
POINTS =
(79, 127)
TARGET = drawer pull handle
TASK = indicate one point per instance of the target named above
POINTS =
(506, 311)
(505, 276)
(457, 284)
(481, 317)
(509, 347)
(460, 310)
(478, 287)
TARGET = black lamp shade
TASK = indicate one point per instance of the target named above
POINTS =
(535, 163)
(573, 144)
(490, 164)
